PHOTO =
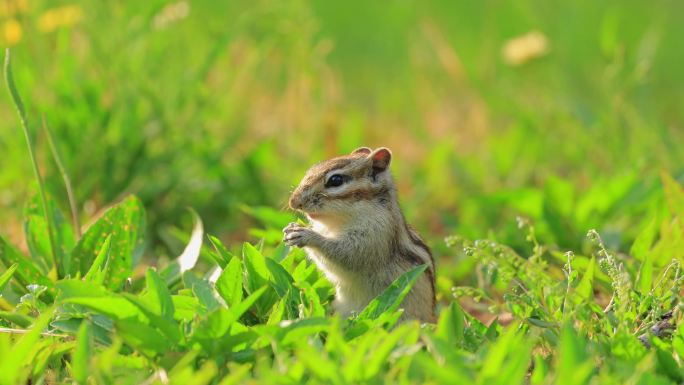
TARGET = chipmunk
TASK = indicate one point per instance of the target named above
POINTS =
(358, 235)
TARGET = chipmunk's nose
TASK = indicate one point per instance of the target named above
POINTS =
(296, 201)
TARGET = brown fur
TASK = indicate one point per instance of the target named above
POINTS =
(358, 236)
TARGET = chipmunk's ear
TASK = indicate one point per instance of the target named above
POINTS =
(381, 159)
(362, 150)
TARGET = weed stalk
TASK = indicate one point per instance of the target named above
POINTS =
(24, 125)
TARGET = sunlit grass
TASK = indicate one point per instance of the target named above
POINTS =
(495, 112)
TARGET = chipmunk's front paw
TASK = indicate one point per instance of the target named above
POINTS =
(298, 236)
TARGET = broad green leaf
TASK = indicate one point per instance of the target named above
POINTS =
(214, 327)
(48, 351)
(277, 314)
(158, 295)
(451, 325)
(585, 287)
(80, 367)
(97, 271)
(540, 323)
(202, 290)
(38, 241)
(166, 326)
(282, 255)
(493, 330)
(390, 299)
(281, 280)
(257, 272)
(219, 322)
(143, 338)
(125, 223)
(357, 358)
(14, 367)
(225, 256)
(187, 307)
(507, 360)
(301, 329)
(114, 306)
(303, 269)
(99, 299)
(642, 244)
(540, 370)
(559, 197)
(258, 275)
(378, 357)
(6, 276)
(37, 238)
(431, 368)
(240, 309)
(26, 272)
(237, 374)
(16, 318)
(573, 364)
(78, 288)
(321, 367)
(203, 376)
(310, 300)
(184, 363)
(678, 343)
(674, 194)
(670, 242)
(667, 364)
(646, 274)
(229, 283)
(100, 327)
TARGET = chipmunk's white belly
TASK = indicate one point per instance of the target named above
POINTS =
(353, 292)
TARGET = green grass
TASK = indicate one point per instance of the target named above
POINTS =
(551, 192)
(565, 318)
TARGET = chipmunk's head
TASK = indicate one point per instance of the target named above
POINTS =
(346, 186)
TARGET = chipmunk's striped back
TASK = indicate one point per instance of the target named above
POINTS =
(358, 236)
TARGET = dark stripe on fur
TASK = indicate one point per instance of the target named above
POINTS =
(334, 164)
(364, 194)
(417, 261)
(418, 241)
(358, 194)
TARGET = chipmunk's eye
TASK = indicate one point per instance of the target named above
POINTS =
(335, 180)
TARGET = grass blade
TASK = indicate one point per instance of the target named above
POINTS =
(159, 294)
(6, 276)
(24, 125)
(65, 177)
(229, 283)
(97, 271)
(390, 299)
(82, 353)
(27, 273)
(14, 366)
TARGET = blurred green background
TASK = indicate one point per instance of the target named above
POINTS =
(561, 112)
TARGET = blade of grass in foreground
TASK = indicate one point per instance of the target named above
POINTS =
(6, 276)
(390, 299)
(24, 125)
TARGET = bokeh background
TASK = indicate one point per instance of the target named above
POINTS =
(565, 112)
